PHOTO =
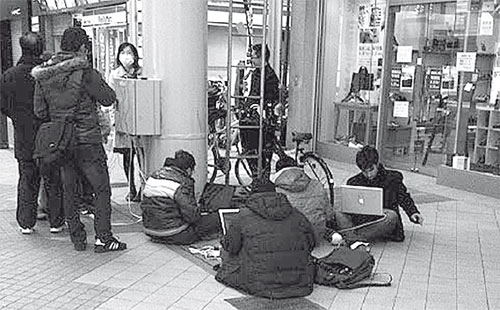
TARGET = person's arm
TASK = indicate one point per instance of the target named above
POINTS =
(98, 89)
(232, 240)
(6, 100)
(184, 198)
(40, 105)
(406, 202)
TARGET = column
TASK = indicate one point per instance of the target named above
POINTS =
(175, 51)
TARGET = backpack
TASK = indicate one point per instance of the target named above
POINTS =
(344, 268)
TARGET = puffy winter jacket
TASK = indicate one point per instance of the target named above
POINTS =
(66, 86)
(269, 249)
(306, 195)
(169, 205)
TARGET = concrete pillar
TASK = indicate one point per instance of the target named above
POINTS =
(274, 34)
(175, 51)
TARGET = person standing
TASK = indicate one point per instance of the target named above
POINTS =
(17, 88)
(125, 144)
(250, 137)
(67, 89)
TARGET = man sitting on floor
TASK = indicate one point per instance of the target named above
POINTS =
(268, 247)
(354, 227)
(170, 213)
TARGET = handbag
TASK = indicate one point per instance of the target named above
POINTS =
(52, 140)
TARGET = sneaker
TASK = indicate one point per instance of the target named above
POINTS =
(56, 230)
(111, 245)
(81, 246)
(26, 231)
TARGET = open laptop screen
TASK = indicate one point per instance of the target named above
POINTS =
(362, 200)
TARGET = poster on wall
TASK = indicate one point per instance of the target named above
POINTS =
(434, 78)
(449, 81)
(495, 85)
(401, 109)
(466, 62)
(407, 75)
(396, 78)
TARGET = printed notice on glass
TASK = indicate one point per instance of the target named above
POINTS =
(466, 61)
(400, 109)
(395, 78)
(404, 53)
(407, 76)
(495, 85)
(486, 24)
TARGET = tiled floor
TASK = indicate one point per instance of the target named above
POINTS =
(451, 262)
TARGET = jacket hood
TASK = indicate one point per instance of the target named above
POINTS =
(61, 63)
(292, 179)
(270, 205)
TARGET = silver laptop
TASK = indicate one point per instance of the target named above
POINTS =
(362, 200)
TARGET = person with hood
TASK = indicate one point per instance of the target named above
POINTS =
(305, 194)
(16, 89)
(170, 213)
(267, 249)
(354, 227)
(67, 89)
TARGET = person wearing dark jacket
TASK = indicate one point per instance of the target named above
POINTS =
(16, 89)
(267, 250)
(67, 90)
(170, 213)
(395, 194)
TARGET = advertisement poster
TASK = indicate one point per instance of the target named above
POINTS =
(434, 78)
(449, 81)
(369, 24)
(396, 78)
(495, 85)
(400, 109)
(466, 62)
(407, 75)
(369, 56)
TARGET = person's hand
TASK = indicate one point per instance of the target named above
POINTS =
(417, 218)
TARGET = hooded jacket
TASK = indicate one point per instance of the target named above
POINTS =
(67, 89)
(395, 195)
(306, 195)
(16, 89)
(169, 205)
(269, 249)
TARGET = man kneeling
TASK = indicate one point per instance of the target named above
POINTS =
(268, 248)
(354, 227)
(170, 213)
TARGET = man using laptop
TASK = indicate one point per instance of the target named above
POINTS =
(395, 195)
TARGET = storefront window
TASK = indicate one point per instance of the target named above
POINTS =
(443, 85)
(351, 72)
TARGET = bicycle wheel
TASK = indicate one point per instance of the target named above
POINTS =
(217, 163)
(243, 172)
(316, 168)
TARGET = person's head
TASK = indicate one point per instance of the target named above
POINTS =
(75, 39)
(127, 56)
(262, 186)
(31, 44)
(367, 161)
(257, 54)
(182, 160)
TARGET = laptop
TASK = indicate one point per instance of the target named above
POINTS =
(227, 216)
(362, 200)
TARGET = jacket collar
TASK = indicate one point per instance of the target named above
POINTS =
(61, 63)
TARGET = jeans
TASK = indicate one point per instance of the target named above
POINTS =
(87, 161)
(53, 189)
(382, 228)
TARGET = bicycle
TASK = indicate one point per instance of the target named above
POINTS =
(314, 166)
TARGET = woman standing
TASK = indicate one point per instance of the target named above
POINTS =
(126, 144)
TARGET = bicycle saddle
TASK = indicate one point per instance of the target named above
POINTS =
(301, 136)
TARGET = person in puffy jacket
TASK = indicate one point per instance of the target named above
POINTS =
(170, 213)
(306, 195)
(268, 247)
(67, 90)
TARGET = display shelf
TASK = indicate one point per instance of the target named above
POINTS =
(487, 143)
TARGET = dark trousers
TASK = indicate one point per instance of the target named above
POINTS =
(27, 193)
(87, 161)
(250, 145)
(28, 188)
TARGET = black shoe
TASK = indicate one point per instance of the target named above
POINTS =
(80, 246)
(110, 245)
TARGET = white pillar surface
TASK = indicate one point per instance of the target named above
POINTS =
(175, 51)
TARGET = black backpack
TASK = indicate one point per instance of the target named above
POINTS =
(345, 268)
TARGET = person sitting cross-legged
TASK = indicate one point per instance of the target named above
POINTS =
(170, 213)
(354, 227)
(267, 247)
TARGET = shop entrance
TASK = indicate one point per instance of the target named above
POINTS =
(439, 72)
